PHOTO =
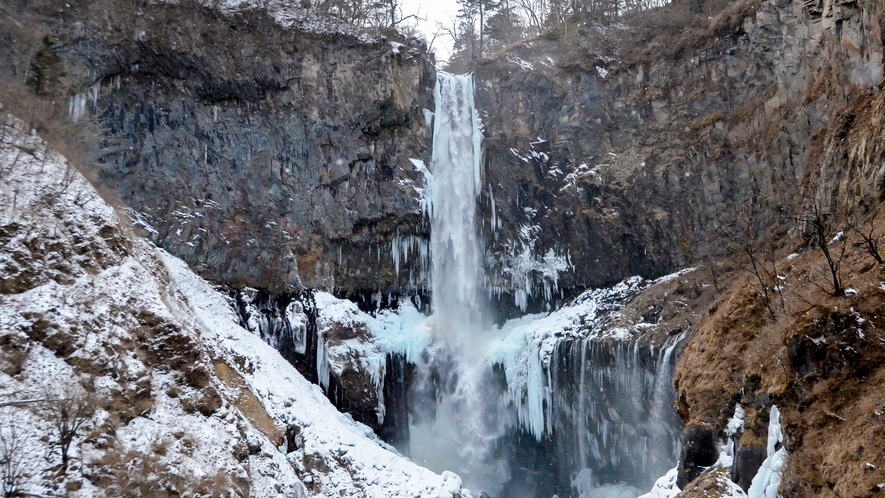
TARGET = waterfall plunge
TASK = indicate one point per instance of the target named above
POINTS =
(460, 421)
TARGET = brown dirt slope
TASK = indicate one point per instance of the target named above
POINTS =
(820, 359)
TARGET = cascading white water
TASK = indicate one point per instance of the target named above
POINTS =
(459, 430)
(454, 243)
(601, 407)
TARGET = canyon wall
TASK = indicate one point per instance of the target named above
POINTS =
(629, 145)
(265, 155)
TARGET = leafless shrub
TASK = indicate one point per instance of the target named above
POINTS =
(19, 462)
(862, 221)
(751, 246)
(823, 227)
(68, 407)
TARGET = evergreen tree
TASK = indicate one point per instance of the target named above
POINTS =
(504, 27)
(45, 69)
(473, 15)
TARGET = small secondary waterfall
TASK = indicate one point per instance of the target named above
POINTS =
(612, 414)
(457, 421)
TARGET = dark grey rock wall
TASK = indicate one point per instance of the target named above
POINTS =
(263, 156)
(628, 157)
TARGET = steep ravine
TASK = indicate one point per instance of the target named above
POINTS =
(165, 395)
(276, 162)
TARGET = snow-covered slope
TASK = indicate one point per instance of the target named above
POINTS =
(184, 402)
(354, 458)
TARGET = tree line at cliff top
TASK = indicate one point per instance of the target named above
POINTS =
(483, 27)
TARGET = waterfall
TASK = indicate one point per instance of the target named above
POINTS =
(457, 420)
(553, 403)
(612, 413)
(456, 273)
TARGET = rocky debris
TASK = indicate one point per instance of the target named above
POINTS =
(715, 484)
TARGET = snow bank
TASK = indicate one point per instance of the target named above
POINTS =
(90, 307)
(357, 464)
(665, 486)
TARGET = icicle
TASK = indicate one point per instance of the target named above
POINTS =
(94, 92)
(322, 362)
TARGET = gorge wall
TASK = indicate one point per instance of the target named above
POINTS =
(630, 144)
(265, 156)
(281, 160)
(277, 158)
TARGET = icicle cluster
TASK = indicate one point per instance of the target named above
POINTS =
(526, 273)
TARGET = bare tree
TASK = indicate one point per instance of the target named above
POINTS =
(68, 406)
(11, 398)
(18, 462)
(824, 228)
(862, 221)
(751, 246)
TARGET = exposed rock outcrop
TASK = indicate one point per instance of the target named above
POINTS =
(265, 156)
(629, 145)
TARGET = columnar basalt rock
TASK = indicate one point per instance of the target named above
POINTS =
(265, 156)
(628, 159)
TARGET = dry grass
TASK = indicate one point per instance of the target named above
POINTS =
(247, 403)
(79, 142)
(672, 30)
(821, 359)
(132, 474)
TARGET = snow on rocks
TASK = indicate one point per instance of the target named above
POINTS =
(187, 401)
(338, 453)
(89, 311)
(523, 346)
(716, 480)
(665, 486)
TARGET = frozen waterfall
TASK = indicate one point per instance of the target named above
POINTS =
(553, 403)
(456, 275)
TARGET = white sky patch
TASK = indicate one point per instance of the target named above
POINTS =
(442, 11)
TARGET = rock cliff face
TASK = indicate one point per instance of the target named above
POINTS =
(628, 148)
(263, 156)
(278, 158)
(281, 160)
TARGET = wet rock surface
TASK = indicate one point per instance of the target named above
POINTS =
(699, 450)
